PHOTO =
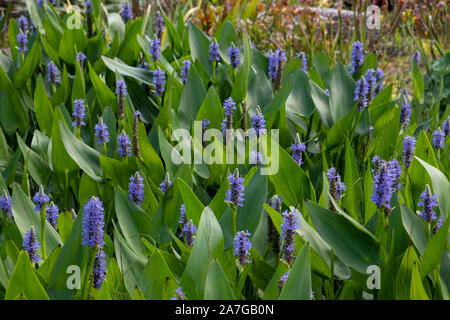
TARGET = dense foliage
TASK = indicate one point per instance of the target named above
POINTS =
(93, 205)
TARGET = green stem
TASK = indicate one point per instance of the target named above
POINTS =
(43, 219)
(104, 149)
(233, 220)
(87, 273)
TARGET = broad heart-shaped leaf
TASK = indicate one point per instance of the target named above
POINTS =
(340, 131)
(133, 221)
(123, 69)
(211, 109)
(353, 200)
(434, 250)
(25, 217)
(24, 281)
(341, 92)
(156, 278)
(35, 15)
(298, 283)
(403, 278)
(29, 65)
(322, 103)
(207, 246)
(417, 289)
(415, 228)
(441, 187)
(260, 91)
(357, 248)
(248, 216)
(73, 253)
(199, 45)
(217, 286)
(118, 171)
(291, 182)
(103, 93)
(299, 100)
(87, 158)
(239, 91)
(193, 205)
(194, 93)
(42, 107)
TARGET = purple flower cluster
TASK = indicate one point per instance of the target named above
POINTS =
(214, 51)
(180, 295)
(5, 204)
(302, 56)
(88, 5)
(290, 223)
(101, 132)
(159, 25)
(22, 23)
(337, 187)
(183, 218)
(357, 55)
(99, 270)
(417, 57)
(273, 66)
(409, 145)
(30, 245)
(165, 184)
(22, 40)
(235, 194)
(93, 223)
(255, 157)
(379, 80)
(386, 180)
(81, 58)
(53, 74)
(227, 123)
(124, 145)
(234, 55)
(79, 113)
(361, 93)
(276, 60)
(446, 126)
(371, 79)
(159, 80)
(427, 201)
(121, 92)
(126, 13)
(185, 70)
(52, 214)
(188, 231)
(155, 49)
(40, 198)
(242, 246)
(438, 139)
(136, 188)
(405, 112)
(282, 281)
(297, 148)
(258, 123)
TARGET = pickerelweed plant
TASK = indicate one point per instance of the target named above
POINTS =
(88, 136)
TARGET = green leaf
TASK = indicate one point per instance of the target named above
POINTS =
(24, 281)
(341, 92)
(199, 46)
(193, 205)
(415, 228)
(43, 107)
(217, 286)
(123, 69)
(103, 93)
(417, 290)
(157, 278)
(432, 255)
(299, 100)
(28, 67)
(419, 86)
(358, 248)
(298, 283)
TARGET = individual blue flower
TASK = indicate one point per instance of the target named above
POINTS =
(302, 56)
(229, 105)
(124, 145)
(290, 223)
(258, 123)
(155, 49)
(188, 232)
(337, 187)
(93, 223)
(185, 70)
(5, 204)
(382, 187)
(361, 93)
(214, 51)
(126, 13)
(99, 270)
(79, 113)
(357, 56)
(179, 295)
(165, 184)
(396, 171)
(297, 150)
(417, 57)
(242, 246)
(159, 25)
(30, 245)
(53, 74)
(235, 194)
(22, 40)
(405, 113)
(438, 139)
(234, 55)
(183, 219)
(428, 202)
(101, 132)
(52, 214)
(40, 198)
(409, 145)
(159, 80)
(446, 127)
(136, 188)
